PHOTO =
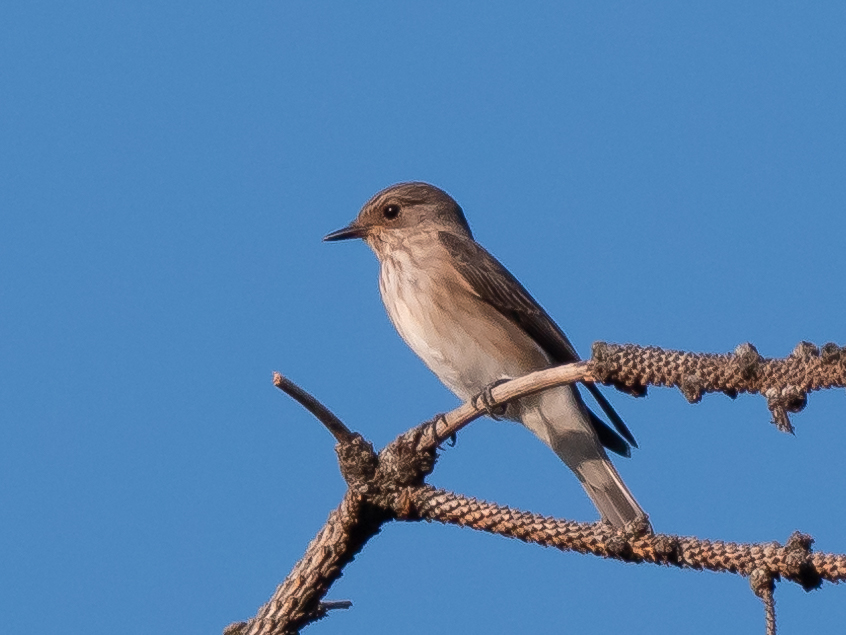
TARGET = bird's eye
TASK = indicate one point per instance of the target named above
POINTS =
(391, 212)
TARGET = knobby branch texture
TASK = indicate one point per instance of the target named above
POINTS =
(391, 485)
(784, 382)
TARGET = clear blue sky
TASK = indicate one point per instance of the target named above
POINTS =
(656, 173)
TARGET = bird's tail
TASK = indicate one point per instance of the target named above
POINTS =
(608, 492)
(561, 421)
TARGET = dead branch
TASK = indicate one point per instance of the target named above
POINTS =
(793, 561)
(390, 485)
(298, 600)
(325, 416)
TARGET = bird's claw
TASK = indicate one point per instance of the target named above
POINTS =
(488, 403)
(440, 418)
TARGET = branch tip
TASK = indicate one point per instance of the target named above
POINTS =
(331, 605)
(335, 426)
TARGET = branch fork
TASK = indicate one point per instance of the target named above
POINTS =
(390, 485)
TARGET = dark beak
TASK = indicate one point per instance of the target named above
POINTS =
(350, 231)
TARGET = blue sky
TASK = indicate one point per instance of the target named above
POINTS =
(655, 173)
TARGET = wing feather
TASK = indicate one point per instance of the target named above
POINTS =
(495, 285)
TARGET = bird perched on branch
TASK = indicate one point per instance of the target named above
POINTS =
(474, 325)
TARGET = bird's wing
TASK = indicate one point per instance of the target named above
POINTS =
(495, 285)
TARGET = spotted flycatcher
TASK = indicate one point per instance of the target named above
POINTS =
(473, 324)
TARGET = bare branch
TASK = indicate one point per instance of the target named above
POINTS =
(391, 486)
(297, 601)
(763, 586)
(444, 426)
(334, 605)
(784, 382)
(340, 431)
(793, 561)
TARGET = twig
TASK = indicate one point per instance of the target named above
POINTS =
(431, 434)
(333, 605)
(763, 585)
(340, 431)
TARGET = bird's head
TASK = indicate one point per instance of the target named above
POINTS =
(402, 210)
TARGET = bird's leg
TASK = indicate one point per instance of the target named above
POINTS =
(489, 404)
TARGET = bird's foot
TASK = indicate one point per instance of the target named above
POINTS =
(488, 403)
(440, 418)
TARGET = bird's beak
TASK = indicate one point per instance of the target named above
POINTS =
(350, 231)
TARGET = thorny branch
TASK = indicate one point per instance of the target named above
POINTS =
(390, 485)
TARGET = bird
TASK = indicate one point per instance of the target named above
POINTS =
(474, 325)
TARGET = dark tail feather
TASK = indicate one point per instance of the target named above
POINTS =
(609, 439)
(609, 411)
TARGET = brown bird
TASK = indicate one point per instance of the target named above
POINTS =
(473, 324)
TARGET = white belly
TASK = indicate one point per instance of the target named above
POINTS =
(463, 340)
